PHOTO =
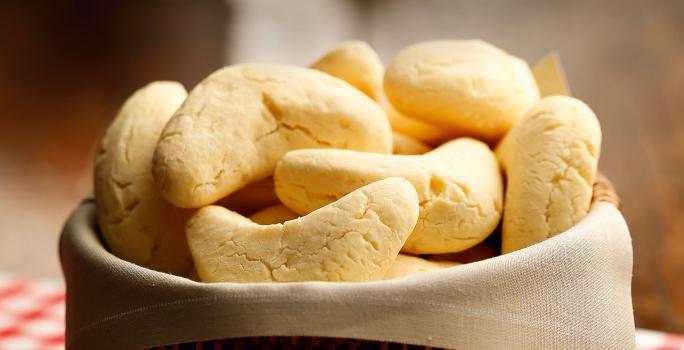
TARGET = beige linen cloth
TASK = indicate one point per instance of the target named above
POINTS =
(569, 292)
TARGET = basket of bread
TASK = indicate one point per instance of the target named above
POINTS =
(449, 200)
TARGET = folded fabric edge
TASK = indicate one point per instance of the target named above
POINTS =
(91, 246)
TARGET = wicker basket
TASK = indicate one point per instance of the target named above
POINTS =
(71, 251)
(291, 343)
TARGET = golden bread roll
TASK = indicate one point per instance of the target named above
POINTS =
(238, 122)
(276, 214)
(406, 265)
(459, 186)
(356, 238)
(136, 222)
(356, 63)
(550, 158)
(467, 86)
(252, 198)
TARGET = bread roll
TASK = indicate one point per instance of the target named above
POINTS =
(467, 86)
(550, 158)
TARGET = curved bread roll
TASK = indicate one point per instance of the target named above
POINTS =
(406, 265)
(136, 222)
(468, 86)
(550, 158)
(273, 215)
(356, 63)
(459, 187)
(355, 238)
(238, 122)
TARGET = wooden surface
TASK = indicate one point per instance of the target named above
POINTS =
(67, 66)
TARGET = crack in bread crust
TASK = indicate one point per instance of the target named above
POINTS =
(137, 224)
(353, 239)
(550, 158)
(252, 115)
(459, 188)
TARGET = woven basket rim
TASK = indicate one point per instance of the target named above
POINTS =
(604, 191)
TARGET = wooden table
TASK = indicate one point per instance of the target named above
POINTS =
(68, 65)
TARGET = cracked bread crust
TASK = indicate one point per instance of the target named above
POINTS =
(467, 86)
(459, 187)
(550, 158)
(136, 222)
(356, 63)
(356, 238)
(237, 123)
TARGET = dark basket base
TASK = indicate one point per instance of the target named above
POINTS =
(287, 343)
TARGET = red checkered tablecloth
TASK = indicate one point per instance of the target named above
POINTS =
(32, 318)
(31, 314)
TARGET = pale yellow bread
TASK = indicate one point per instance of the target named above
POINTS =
(356, 238)
(252, 198)
(550, 158)
(136, 222)
(238, 122)
(467, 86)
(459, 186)
(276, 214)
(356, 63)
(406, 265)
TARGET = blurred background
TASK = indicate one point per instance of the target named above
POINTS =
(67, 66)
